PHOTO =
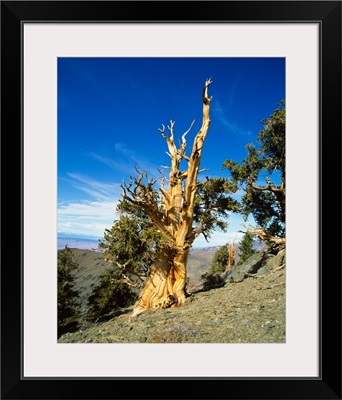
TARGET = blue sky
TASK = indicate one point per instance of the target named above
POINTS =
(109, 112)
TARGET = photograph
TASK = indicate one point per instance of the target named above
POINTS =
(171, 200)
(166, 185)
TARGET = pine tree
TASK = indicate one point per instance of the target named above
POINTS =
(68, 297)
(110, 294)
(179, 207)
(246, 249)
(262, 176)
(220, 261)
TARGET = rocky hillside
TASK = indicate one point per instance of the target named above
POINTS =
(92, 266)
(245, 306)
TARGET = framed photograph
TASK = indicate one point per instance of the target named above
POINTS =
(94, 94)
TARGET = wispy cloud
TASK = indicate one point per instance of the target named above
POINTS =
(90, 210)
(94, 188)
(122, 149)
(92, 216)
(125, 160)
(107, 161)
(136, 159)
(89, 217)
(222, 115)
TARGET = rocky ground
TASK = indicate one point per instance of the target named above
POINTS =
(246, 310)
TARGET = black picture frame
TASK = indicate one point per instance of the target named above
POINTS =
(328, 384)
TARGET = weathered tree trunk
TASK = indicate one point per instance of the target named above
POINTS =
(173, 217)
(231, 255)
(266, 236)
(166, 285)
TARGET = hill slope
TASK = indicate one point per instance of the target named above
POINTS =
(247, 309)
(91, 267)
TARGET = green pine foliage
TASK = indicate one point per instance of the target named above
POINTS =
(110, 294)
(68, 297)
(246, 248)
(131, 242)
(220, 261)
(130, 247)
(213, 204)
(212, 278)
(262, 175)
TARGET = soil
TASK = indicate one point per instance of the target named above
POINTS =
(250, 311)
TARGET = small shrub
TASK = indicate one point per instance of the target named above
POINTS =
(212, 281)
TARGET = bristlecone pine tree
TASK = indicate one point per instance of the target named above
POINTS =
(68, 297)
(110, 294)
(180, 213)
(223, 260)
(265, 201)
(246, 249)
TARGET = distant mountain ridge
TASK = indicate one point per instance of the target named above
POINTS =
(91, 243)
(77, 242)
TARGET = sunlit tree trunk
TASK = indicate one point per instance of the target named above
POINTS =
(172, 216)
(231, 255)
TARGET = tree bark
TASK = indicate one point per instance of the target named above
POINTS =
(231, 255)
(172, 216)
(266, 236)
